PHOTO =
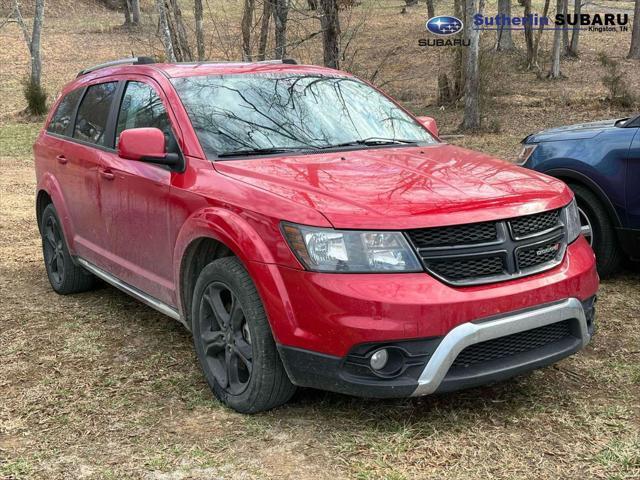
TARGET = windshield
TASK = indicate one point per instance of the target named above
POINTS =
(268, 113)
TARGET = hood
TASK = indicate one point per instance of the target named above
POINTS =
(578, 131)
(405, 187)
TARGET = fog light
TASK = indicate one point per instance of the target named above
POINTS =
(379, 359)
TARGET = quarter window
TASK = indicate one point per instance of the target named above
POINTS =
(142, 107)
(91, 122)
(62, 117)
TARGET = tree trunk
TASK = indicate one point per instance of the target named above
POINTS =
(330, 23)
(634, 51)
(245, 25)
(532, 54)
(460, 56)
(557, 46)
(36, 61)
(197, 12)
(164, 31)
(280, 15)
(504, 41)
(135, 12)
(431, 9)
(572, 51)
(565, 30)
(267, 7)
(127, 12)
(471, 120)
(181, 33)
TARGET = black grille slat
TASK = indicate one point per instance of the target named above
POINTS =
(458, 269)
(512, 344)
(455, 235)
(537, 223)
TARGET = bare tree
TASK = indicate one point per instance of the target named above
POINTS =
(245, 25)
(431, 9)
(135, 12)
(330, 22)
(634, 50)
(35, 94)
(127, 12)
(554, 72)
(178, 32)
(471, 120)
(280, 16)
(267, 8)
(197, 13)
(167, 42)
(532, 54)
(504, 40)
(565, 29)
(572, 49)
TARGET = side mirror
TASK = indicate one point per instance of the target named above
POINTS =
(147, 145)
(430, 124)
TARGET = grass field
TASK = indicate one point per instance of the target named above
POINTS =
(98, 386)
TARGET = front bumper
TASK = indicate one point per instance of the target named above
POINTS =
(432, 365)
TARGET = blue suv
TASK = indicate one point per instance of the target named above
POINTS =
(600, 161)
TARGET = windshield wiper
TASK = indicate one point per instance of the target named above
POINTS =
(259, 151)
(370, 142)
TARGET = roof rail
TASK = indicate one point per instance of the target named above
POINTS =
(122, 61)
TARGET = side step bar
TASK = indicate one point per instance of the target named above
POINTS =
(133, 291)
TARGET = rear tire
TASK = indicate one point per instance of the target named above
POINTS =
(233, 340)
(64, 275)
(604, 241)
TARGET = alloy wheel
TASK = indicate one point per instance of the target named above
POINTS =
(225, 338)
(53, 249)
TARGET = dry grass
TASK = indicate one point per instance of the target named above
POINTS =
(99, 386)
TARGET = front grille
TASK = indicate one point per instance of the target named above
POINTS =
(464, 268)
(531, 224)
(512, 344)
(477, 253)
(455, 235)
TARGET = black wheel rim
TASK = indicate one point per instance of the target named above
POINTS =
(586, 228)
(53, 250)
(225, 338)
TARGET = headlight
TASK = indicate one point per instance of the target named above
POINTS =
(328, 250)
(526, 152)
(573, 220)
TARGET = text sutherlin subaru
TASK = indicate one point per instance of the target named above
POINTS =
(308, 230)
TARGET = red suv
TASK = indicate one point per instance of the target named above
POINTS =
(308, 230)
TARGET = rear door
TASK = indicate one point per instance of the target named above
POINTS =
(81, 164)
(134, 196)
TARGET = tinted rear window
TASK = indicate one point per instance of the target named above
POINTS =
(62, 117)
(91, 122)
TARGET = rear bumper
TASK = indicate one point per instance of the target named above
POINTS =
(430, 365)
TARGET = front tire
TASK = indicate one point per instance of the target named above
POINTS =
(233, 340)
(64, 275)
(598, 230)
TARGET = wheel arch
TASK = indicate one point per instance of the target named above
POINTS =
(572, 176)
(207, 235)
(49, 192)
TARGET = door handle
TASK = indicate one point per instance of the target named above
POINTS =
(107, 174)
(62, 159)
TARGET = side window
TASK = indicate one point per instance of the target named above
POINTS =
(93, 113)
(62, 117)
(142, 107)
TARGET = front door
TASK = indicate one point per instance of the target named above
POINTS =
(135, 199)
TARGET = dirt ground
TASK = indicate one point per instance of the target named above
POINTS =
(99, 386)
